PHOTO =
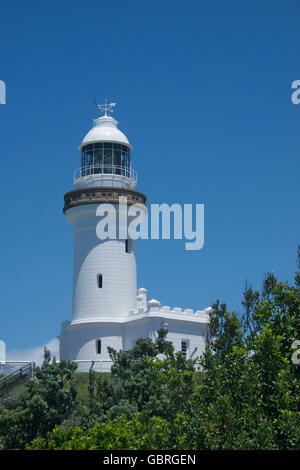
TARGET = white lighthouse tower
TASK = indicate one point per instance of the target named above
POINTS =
(107, 309)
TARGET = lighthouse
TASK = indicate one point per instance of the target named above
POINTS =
(107, 308)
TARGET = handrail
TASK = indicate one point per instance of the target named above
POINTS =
(105, 170)
(20, 371)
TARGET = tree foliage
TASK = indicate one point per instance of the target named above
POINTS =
(47, 400)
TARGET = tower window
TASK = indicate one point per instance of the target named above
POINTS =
(99, 281)
(184, 348)
(127, 246)
(98, 346)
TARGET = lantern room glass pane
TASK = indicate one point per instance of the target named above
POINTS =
(124, 159)
(107, 160)
(117, 161)
(98, 161)
(89, 158)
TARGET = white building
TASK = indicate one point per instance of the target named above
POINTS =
(108, 310)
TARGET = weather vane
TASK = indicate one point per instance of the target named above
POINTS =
(107, 107)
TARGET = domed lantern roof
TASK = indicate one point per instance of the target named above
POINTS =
(105, 129)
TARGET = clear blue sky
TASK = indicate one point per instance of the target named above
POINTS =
(203, 93)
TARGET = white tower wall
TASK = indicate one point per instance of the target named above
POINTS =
(109, 258)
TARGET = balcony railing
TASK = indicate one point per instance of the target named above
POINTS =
(105, 170)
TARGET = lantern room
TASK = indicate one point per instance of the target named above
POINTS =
(105, 155)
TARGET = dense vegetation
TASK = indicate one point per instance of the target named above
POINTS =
(245, 397)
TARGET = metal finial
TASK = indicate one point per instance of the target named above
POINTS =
(107, 107)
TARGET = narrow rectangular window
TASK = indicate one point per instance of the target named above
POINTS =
(98, 346)
(99, 281)
(184, 348)
(127, 246)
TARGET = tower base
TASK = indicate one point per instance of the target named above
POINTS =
(87, 342)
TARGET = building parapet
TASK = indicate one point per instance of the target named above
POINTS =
(154, 306)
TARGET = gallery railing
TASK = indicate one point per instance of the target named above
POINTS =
(105, 170)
